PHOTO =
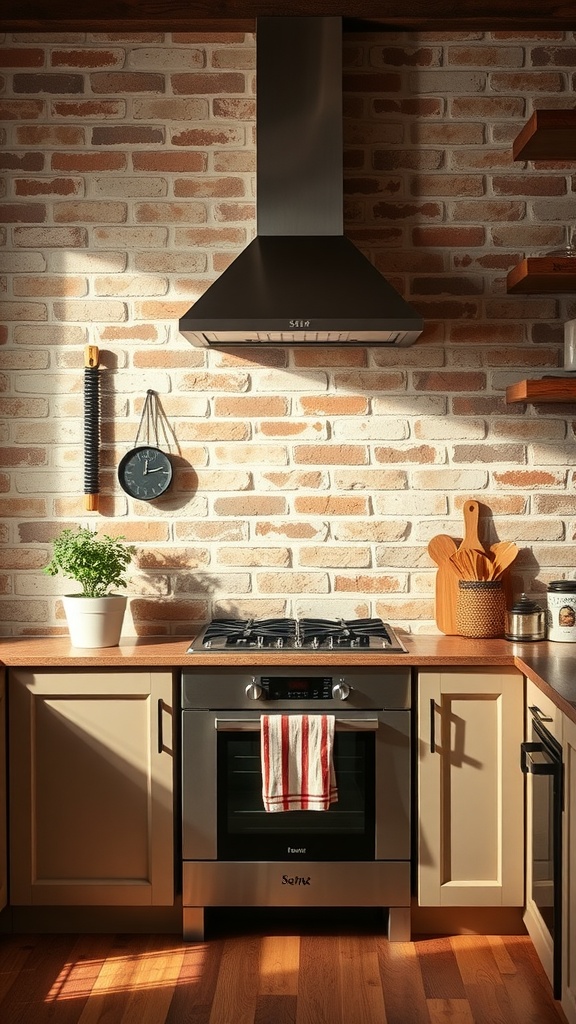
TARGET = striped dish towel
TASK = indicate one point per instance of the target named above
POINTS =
(297, 762)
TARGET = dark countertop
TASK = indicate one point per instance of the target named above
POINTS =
(552, 666)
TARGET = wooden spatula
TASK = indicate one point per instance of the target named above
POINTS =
(470, 564)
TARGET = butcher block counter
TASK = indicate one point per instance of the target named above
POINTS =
(552, 666)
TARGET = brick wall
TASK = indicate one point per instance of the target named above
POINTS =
(307, 481)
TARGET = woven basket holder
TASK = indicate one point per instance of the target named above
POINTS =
(481, 608)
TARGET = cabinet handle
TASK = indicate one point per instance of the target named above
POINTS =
(432, 725)
(160, 731)
(539, 715)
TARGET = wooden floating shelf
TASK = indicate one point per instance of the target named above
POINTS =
(548, 135)
(547, 389)
(543, 274)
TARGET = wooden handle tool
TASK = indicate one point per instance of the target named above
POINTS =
(471, 510)
(440, 549)
(91, 427)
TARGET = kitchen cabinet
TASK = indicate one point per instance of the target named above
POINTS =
(470, 788)
(3, 783)
(569, 872)
(91, 788)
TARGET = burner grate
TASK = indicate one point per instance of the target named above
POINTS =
(249, 632)
(306, 634)
(344, 632)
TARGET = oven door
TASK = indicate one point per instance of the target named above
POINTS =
(225, 820)
(346, 831)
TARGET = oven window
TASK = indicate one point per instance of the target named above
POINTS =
(247, 832)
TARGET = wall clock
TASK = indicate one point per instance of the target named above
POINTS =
(145, 472)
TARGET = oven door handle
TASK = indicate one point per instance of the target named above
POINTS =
(253, 724)
(544, 765)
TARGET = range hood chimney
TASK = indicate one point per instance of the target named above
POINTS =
(300, 281)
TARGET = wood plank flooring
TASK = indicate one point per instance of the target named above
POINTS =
(265, 974)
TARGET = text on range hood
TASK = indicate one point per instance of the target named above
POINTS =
(300, 281)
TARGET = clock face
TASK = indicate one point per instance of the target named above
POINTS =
(145, 473)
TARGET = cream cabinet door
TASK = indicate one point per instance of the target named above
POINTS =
(3, 820)
(569, 872)
(470, 788)
(91, 788)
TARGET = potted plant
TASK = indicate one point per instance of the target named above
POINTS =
(97, 563)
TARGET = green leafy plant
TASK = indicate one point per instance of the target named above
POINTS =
(96, 563)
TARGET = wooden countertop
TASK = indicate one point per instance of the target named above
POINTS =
(552, 666)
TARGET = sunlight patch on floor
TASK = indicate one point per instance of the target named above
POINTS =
(112, 975)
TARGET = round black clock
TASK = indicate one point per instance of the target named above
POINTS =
(145, 472)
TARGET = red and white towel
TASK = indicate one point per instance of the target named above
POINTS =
(297, 762)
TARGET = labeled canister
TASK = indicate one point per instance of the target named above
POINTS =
(561, 614)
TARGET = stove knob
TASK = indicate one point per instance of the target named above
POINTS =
(254, 691)
(340, 690)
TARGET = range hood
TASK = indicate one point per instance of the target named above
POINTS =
(300, 281)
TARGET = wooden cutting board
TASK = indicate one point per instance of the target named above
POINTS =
(440, 548)
(471, 511)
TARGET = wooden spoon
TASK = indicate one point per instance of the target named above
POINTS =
(503, 554)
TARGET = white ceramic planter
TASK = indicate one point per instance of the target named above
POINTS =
(95, 621)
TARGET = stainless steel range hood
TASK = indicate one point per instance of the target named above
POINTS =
(300, 281)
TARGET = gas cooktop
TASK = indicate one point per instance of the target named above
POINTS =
(323, 635)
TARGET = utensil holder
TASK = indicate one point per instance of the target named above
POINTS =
(481, 608)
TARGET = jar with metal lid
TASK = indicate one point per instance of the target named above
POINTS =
(562, 611)
(525, 620)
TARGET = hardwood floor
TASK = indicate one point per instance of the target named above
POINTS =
(267, 974)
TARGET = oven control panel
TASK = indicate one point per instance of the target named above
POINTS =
(297, 687)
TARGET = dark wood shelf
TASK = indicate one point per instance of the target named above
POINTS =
(548, 135)
(547, 389)
(240, 15)
(543, 274)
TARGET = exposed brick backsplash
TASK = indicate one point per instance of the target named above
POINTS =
(310, 481)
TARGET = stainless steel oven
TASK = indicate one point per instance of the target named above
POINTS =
(235, 853)
(541, 760)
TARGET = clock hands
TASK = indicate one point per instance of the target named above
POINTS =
(159, 469)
